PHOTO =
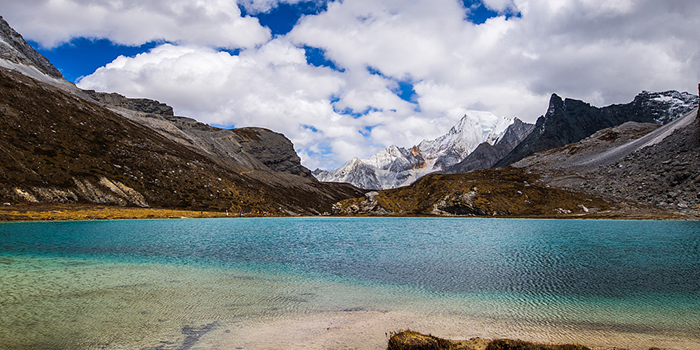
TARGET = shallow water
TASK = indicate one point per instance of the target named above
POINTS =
(207, 283)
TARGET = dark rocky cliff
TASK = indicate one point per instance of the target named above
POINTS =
(569, 120)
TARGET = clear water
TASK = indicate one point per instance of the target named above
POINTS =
(169, 284)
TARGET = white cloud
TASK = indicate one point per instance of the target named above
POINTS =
(600, 51)
(500, 6)
(215, 23)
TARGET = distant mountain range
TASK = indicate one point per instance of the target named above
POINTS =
(397, 166)
(569, 120)
(481, 140)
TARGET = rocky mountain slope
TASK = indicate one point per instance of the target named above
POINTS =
(397, 166)
(61, 144)
(568, 120)
(641, 163)
(252, 148)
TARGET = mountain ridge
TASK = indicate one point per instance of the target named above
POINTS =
(397, 166)
(570, 120)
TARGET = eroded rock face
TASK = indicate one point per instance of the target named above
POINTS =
(15, 49)
(272, 149)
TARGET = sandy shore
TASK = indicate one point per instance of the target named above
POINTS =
(370, 330)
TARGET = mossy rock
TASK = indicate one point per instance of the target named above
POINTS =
(508, 344)
(409, 340)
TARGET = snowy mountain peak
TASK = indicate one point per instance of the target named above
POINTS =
(397, 166)
(463, 138)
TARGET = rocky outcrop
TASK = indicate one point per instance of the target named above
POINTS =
(569, 120)
(14, 48)
(135, 104)
(369, 206)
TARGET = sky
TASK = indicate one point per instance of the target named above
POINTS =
(349, 78)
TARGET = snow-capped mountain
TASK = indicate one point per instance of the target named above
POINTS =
(397, 166)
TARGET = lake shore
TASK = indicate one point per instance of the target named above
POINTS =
(371, 330)
(65, 212)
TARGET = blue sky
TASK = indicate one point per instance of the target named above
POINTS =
(348, 78)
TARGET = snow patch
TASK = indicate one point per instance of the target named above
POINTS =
(36, 74)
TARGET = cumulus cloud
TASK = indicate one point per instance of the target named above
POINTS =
(215, 23)
(600, 51)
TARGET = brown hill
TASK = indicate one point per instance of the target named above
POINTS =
(503, 192)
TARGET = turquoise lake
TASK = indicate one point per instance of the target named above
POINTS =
(344, 283)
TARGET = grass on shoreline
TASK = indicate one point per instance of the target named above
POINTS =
(60, 212)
